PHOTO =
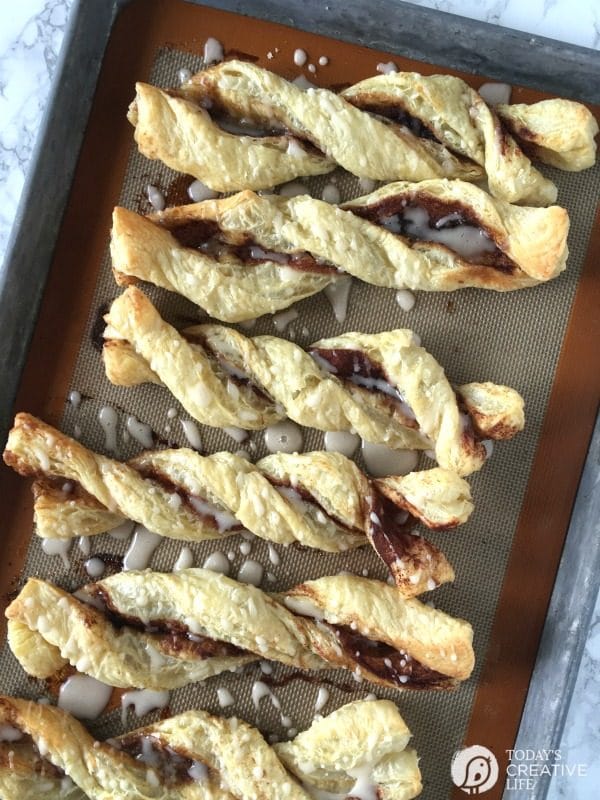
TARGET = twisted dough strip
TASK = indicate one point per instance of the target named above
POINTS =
(318, 499)
(197, 755)
(212, 252)
(396, 393)
(402, 126)
(176, 628)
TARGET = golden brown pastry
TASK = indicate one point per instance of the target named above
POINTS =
(248, 255)
(164, 630)
(318, 499)
(401, 126)
(557, 132)
(385, 386)
(196, 755)
(447, 110)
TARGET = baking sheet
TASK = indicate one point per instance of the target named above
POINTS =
(512, 338)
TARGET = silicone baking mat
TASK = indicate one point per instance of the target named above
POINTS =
(538, 341)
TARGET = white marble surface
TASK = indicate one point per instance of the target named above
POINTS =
(31, 33)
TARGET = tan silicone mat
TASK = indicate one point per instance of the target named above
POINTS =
(513, 338)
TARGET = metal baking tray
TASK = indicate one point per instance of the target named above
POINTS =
(413, 32)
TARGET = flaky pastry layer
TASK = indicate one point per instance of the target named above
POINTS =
(164, 630)
(197, 755)
(408, 404)
(247, 255)
(317, 499)
(400, 126)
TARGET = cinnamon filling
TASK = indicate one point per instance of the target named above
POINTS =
(207, 237)
(234, 374)
(207, 512)
(176, 638)
(423, 218)
(173, 767)
(389, 664)
(257, 127)
(394, 112)
(356, 367)
(300, 496)
(389, 533)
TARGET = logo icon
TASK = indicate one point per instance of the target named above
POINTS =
(474, 770)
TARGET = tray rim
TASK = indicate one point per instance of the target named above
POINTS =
(35, 229)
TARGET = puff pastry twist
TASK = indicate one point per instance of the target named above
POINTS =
(247, 255)
(164, 630)
(403, 126)
(196, 755)
(318, 499)
(383, 386)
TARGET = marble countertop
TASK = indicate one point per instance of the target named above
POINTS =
(31, 33)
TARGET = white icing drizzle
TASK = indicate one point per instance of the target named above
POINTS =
(386, 68)
(198, 191)
(405, 299)
(223, 519)
(185, 560)
(245, 548)
(83, 696)
(191, 433)
(84, 545)
(467, 241)
(217, 562)
(338, 292)
(58, 547)
(366, 185)
(183, 75)
(294, 148)
(75, 398)
(122, 531)
(303, 606)
(171, 413)
(10, 734)
(139, 431)
(198, 772)
(283, 437)
(257, 252)
(495, 93)
(381, 460)
(141, 549)
(283, 319)
(143, 701)
(251, 572)
(322, 698)
(260, 690)
(155, 197)
(323, 61)
(311, 68)
(293, 189)
(300, 57)
(213, 50)
(274, 556)
(489, 447)
(364, 788)
(238, 435)
(224, 697)
(109, 420)
(94, 567)
(331, 193)
(341, 442)
(303, 83)
(266, 668)
(77, 431)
